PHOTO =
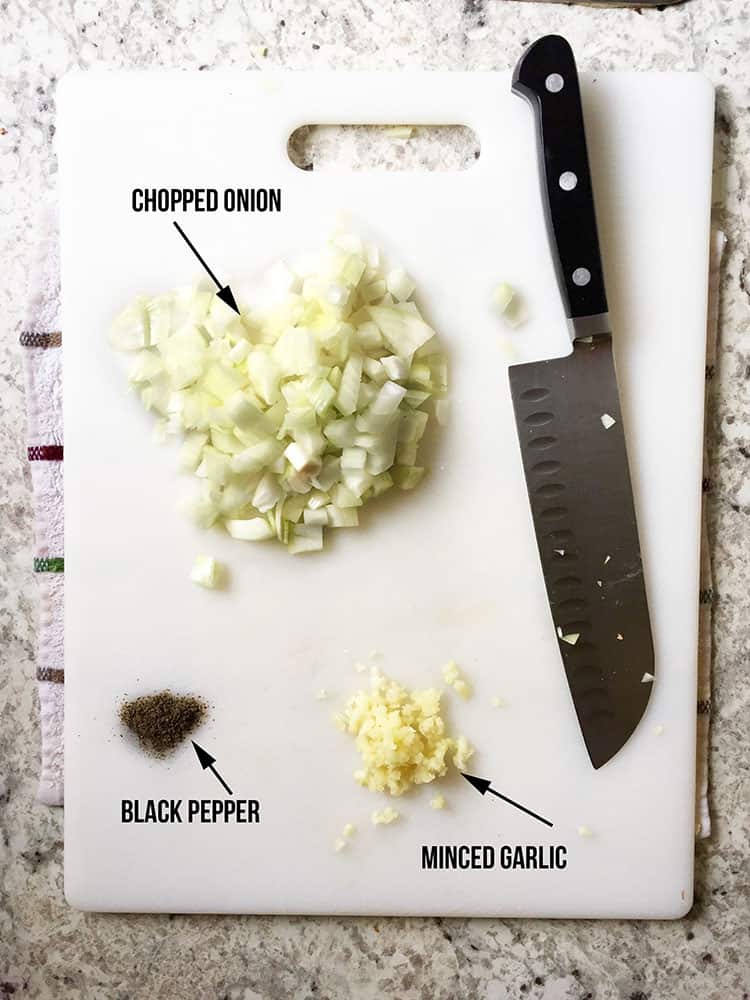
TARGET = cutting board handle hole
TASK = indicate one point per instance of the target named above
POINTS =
(385, 148)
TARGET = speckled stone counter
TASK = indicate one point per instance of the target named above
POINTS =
(48, 950)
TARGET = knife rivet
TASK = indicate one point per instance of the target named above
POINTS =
(581, 276)
(554, 83)
(568, 180)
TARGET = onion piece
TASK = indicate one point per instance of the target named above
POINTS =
(348, 394)
(353, 458)
(302, 460)
(510, 306)
(254, 529)
(442, 411)
(406, 453)
(503, 296)
(402, 331)
(399, 284)
(407, 477)
(342, 496)
(267, 493)
(130, 329)
(205, 572)
(342, 517)
(190, 453)
(306, 538)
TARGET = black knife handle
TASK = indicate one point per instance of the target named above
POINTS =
(547, 78)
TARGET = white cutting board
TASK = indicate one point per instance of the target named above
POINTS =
(448, 572)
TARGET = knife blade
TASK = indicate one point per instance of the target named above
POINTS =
(572, 439)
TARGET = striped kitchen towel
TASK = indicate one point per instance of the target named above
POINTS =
(707, 596)
(42, 342)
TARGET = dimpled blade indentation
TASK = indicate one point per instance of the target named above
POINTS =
(549, 490)
(539, 418)
(543, 442)
(546, 468)
(535, 395)
(573, 605)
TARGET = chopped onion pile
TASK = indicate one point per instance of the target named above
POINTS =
(299, 411)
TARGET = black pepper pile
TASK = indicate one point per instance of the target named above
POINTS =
(162, 721)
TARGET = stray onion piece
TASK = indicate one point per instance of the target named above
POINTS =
(205, 572)
(509, 305)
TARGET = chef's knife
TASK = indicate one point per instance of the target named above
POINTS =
(572, 438)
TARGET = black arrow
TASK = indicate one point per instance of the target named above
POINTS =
(207, 761)
(482, 785)
(224, 292)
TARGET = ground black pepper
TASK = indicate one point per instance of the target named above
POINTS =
(162, 721)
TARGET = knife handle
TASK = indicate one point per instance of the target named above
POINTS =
(547, 78)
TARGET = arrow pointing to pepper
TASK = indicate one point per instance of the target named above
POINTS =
(207, 761)
(482, 785)
(224, 292)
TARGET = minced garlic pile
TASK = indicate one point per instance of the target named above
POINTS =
(400, 735)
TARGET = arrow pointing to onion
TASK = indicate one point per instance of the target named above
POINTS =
(224, 292)
(207, 761)
(482, 785)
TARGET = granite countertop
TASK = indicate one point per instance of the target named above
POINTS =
(48, 950)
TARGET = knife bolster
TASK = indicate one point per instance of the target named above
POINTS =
(589, 326)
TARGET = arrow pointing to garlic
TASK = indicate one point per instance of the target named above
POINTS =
(224, 292)
(482, 785)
